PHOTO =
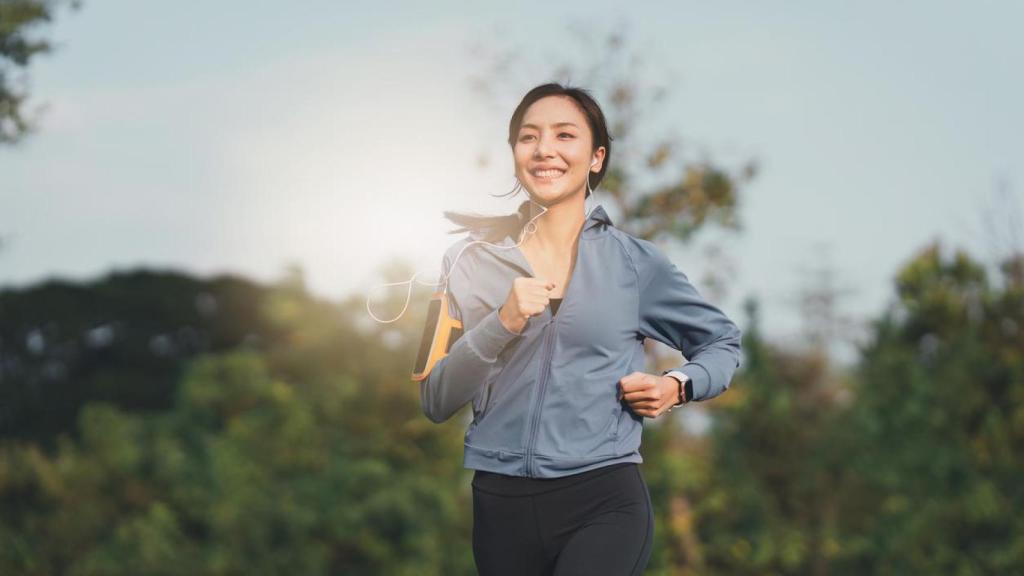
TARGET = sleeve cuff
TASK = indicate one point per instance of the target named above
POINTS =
(489, 337)
(698, 375)
(675, 374)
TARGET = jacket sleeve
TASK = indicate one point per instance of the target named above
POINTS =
(459, 376)
(674, 313)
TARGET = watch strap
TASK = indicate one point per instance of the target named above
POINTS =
(685, 387)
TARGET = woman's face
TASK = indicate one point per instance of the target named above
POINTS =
(553, 150)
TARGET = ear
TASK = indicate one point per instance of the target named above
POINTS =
(597, 163)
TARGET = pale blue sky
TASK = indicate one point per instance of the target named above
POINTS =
(241, 136)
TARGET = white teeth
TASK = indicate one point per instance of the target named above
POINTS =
(548, 173)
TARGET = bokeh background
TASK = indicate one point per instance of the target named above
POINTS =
(202, 203)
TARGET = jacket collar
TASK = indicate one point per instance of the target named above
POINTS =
(597, 216)
(515, 257)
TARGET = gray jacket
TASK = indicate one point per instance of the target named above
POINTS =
(545, 401)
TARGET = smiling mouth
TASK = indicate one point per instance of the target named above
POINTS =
(547, 175)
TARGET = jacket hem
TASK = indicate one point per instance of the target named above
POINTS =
(513, 463)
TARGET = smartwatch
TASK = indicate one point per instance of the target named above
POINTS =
(685, 387)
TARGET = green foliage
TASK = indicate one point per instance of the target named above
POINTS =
(18, 19)
(249, 472)
(911, 464)
(312, 455)
(124, 339)
(765, 506)
(940, 413)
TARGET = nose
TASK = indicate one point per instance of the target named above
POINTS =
(543, 148)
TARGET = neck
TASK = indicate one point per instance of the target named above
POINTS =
(559, 227)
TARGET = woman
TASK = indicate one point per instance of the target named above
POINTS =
(556, 303)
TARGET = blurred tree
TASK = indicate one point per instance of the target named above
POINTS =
(311, 459)
(19, 19)
(935, 438)
(763, 501)
(64, 344)
(312, 455)
(909, 464)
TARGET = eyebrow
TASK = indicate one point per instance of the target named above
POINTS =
(556, 124)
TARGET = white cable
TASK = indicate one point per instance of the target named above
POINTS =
(450, 269)
(408, 296)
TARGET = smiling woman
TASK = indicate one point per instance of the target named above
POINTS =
(559, 400)
(553, 305)
(578, 124)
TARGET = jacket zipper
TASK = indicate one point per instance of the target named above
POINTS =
(535, 423)
(552, 325)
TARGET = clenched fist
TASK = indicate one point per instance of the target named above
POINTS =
(528, 297)
(647, 394)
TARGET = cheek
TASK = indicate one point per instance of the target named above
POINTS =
(521, 157)
(576, 154)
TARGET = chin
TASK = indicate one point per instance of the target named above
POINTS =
(549, 194)
(545, 198)
(549, 197)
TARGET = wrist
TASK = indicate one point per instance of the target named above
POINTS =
(510, 325)
(683, 387)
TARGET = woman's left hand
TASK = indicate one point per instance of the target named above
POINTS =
(648, 394)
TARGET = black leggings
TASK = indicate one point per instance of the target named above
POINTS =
(599, 525)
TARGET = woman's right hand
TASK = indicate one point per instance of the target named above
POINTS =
(528, 297)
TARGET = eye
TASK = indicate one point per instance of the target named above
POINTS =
(524, 137)
(567, 134)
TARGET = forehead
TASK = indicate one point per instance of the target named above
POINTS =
(554, 109)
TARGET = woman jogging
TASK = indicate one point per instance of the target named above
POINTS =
(555, 304)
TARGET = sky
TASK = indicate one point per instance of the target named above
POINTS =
(241, 138)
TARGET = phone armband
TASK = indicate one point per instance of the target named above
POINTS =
(439, 334)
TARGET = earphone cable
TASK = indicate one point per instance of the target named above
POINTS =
(408, 295)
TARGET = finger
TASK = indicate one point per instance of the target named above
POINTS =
(643, 409)
(540, 283)
(640, 392)
(534, 311)
(635, 386)
(627, 385)
(537, 306)
(628, 395)
(540, 296)
(634, 378)
(634, 395)
(641, 396)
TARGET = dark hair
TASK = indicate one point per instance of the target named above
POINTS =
(496, 227)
